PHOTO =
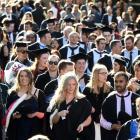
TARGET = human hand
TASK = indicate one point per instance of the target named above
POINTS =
(63, 113)
(116, 126)
(31, 115)
(80, 128)
(17, 115)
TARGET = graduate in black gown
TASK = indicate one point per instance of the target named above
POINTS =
(41, 60)
(48, 75)
(71, 112)
(26, 107)
(96, 91)
(130, 129)
(119, 64)
(80, 61)
(118, 107)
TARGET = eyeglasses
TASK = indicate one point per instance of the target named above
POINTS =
(103, 73)
(53, 62)
(22, 51)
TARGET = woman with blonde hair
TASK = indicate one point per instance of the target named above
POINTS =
(71, 111)
(96, 91)
(25, 108)
(28, 17)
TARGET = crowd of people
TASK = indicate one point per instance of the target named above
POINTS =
(69, 70)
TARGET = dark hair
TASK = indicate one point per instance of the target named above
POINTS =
(121, 73)
(113, 43)
(129, 37)
(63, 64)
(137, 64)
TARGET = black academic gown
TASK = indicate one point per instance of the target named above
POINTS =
(92, 58)
(49, 91)
(64, 51)
(42, 80)
(79, 110)
(128, 130)
(24, 128)
(3, 97)
(109, 112)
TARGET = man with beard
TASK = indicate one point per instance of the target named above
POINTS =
(130, 51)
(117, 108)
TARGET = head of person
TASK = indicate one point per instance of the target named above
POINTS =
(51, 24)
(129, 42)
(45, 36)
(74, 37)
(28, 25)
(109, 10)
(53, 61)
(116, 46)
(27, 16)
(99, 75)
(138, 106)
(80, 61)
(67, 30)
(21, 50)
(24, 79)
(50, 14)
(107, 34)
(92, 37)
(30, 36)
(137, 70)
(8, 9)
(41, 59)
(120, 81)
(137, 41)
(68, 87)
(65, 66)
(55, 44)
(39, 137)
(100, 43)
(8, 24)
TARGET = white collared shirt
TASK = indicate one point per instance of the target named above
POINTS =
(128, 109)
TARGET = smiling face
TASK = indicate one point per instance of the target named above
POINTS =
(24, 79)
(80, 66)
(120, 84)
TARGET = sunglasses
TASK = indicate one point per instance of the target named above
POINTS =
(22, 51)
(53, 62)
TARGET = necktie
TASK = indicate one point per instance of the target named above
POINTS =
(72, 50)
(130, 63)
(122, 104)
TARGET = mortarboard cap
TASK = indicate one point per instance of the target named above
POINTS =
(87, 30)
(79, 56)
(21, 43)
(106, 29)
(130, 25)
(51, 20)
(136, 32)
(120, 59)
(35, 50)
(67, 20)
(41, 33)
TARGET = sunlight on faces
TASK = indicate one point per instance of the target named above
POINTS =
(116, 67)
(80, 65)
(24, 79)
(103, 75)
(43, 59)
(137, 72)
(120, 84)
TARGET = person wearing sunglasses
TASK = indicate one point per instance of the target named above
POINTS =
(20, 54)
(50, 74)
